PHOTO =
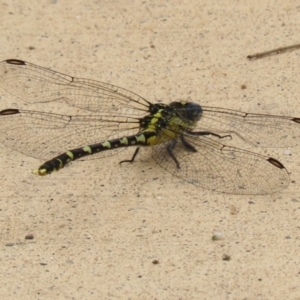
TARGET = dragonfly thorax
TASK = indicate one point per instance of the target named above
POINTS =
(159, 116)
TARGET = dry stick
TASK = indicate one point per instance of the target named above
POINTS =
(274, 51)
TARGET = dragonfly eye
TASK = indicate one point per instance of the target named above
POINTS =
(193, 111)
(190, 110)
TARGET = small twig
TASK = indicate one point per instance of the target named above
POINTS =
(274, 51)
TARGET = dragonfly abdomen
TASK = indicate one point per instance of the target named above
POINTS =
(60, 161)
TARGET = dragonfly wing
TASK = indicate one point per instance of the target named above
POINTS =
(44, 135)
(255, 129)
(222, 168)
(35, 84)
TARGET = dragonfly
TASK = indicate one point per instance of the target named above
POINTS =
(191, 141)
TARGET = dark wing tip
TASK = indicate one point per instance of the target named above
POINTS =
(275, 163)
(16, 62)
(297, 120)
(9, 111)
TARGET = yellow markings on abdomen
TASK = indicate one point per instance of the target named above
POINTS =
(70, 154)
(61, 165)
(152, 140)
(141, 138)
(87, 149)
(124, 141)
(106, 144)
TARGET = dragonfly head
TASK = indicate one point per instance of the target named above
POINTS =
(190, 110)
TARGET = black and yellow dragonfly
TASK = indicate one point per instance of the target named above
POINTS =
(185, 137)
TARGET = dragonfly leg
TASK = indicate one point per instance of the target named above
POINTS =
(133, 157)
(190, 147)
(170, 148)
(187, 145)
(199, 133)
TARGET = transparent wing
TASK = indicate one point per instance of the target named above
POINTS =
(222, 168)
(44, 135)
(35, 84)
(256, 129)
(115, 112)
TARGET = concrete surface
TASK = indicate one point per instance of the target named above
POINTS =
(101, 231)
